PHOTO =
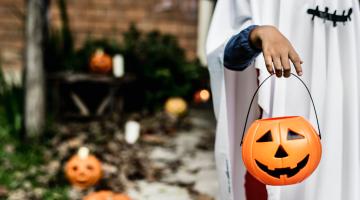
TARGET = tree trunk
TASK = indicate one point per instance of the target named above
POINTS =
(34, 70)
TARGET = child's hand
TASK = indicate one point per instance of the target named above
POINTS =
(276, 49)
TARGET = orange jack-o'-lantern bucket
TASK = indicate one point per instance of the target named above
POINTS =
(83, 169)
(283, 150)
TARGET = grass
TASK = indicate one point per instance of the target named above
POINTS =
(20, 160)
(57, 193)
(19, 168)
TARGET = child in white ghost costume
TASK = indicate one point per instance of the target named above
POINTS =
(330, 49)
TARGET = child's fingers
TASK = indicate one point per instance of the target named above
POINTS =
(286, 65)
(268, 63)
(277, 65)
(295, 59)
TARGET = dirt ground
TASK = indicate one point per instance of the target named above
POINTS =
(172, 159)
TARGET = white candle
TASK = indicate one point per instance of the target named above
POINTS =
(118, 65)
(132, 132)
(83, 152)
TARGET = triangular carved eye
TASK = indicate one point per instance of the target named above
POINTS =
(294, 136)
(267, 137)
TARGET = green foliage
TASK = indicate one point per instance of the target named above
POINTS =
(161, 69)
(18, 161)
(56, 193)
(11, 108)
(90, 46)
(59, 45)
(21, 165)
(157, 61)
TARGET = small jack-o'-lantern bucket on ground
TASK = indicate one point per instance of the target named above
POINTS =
(282, 150)
(83, 170)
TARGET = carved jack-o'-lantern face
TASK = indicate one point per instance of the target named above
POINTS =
(281, 151)
(83, 172)
(106, 195)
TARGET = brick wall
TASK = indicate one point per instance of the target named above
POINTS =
(102, 18)
(11, 32)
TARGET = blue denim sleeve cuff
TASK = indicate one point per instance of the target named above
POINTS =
(238, 52)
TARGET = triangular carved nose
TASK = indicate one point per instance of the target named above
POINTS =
(281, 153)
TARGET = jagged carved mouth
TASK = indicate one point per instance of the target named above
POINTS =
(283, 171)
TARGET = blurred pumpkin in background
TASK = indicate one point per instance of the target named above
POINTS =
(83, 170)
(175, 106)
(106, 195)
(201, 96)
(100, 62)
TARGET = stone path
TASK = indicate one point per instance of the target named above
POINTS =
(187, 164)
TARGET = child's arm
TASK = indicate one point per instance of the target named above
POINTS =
(239, 52)
(277, 50)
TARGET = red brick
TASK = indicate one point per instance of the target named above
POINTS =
(106, 18)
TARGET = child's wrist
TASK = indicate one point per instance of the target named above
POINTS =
(254, 38)
(257, 34)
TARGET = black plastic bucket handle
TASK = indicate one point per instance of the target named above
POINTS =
(307, 89)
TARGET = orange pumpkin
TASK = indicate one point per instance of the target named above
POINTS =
(83, 171)
(281, 151)
(100, 62)
(201, 96)
(175, 106)
(106, 195)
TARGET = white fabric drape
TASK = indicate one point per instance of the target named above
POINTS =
(331, 69)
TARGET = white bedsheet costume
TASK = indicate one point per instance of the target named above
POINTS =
(331, 69)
